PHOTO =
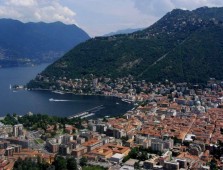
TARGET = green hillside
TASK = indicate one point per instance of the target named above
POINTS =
(181, 46)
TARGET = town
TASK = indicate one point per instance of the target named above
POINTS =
(173, 126)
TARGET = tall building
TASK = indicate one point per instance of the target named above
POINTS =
(9, 151)
(17, 130)
(157, 146)
(171, 166)
(52, 146)
(66, 139)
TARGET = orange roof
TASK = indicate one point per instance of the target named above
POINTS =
(117, 148)
(102, 151)
(188, 156)
(90, 142)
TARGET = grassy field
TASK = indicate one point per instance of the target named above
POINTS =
(39, 141)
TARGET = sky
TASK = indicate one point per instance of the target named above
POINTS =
(97, 17)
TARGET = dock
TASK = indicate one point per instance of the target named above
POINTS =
(87, 113)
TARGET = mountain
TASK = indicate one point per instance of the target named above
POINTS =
(125, 31)
(36, 42)
(182, 46)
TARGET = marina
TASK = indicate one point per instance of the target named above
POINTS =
(88, 115)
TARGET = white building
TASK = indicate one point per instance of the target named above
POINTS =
(117, 158)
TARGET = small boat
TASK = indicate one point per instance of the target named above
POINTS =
(59, 100)
(127, 101)
(117, 103)
(58, 92)
(51, 99)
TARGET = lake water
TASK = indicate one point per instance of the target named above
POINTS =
(22, 101)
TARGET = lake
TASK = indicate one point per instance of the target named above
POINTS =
(23, 101)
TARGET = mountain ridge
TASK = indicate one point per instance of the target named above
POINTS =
(123, 31)
(172, 48)
(37, 42)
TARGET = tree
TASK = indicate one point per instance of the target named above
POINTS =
(18, 163)
(29, 164)
(126, 158)
(83, 161)
(176, 140)
(134, 153)
(213, 164)
(55, 127)
(71, 164)
(60, 163)
(136, 165)
(143, 156)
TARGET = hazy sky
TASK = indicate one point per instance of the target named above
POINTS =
(97, 17)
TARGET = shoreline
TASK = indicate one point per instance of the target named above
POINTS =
(84, 94)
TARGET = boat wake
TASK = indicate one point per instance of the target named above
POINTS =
(58, 100)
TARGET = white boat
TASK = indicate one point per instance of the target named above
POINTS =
(10, 86)
(59, 100)
(127, 101)
(58, 92)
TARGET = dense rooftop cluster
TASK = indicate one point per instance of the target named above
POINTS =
(173, 126)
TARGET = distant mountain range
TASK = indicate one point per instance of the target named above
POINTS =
(182, 46)
(125, 31)
(22, 43)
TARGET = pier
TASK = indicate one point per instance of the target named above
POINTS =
(87, 113)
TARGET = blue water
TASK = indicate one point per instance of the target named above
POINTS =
(22, 101)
